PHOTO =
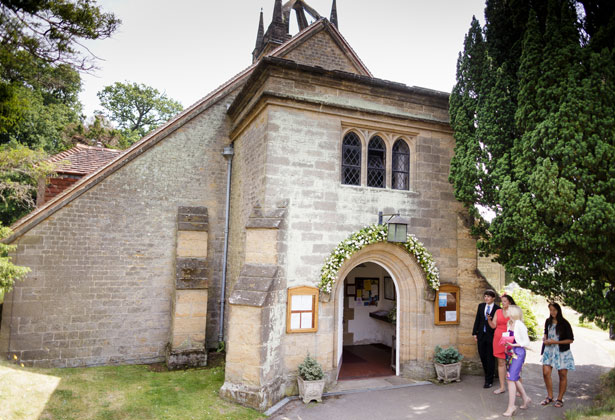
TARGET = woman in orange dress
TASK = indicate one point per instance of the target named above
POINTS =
(499, 321)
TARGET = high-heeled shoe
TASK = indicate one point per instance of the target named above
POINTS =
(526, 404)
(510, 414)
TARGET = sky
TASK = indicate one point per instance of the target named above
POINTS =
(187, 48)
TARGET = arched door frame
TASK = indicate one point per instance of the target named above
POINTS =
(410, 287)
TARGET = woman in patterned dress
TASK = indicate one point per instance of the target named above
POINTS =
(500, 322)
(518, 330)
(556, 353)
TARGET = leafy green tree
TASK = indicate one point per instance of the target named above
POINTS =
(43, 121)
(40, 60)
(21, 168)
(97, 131)
(535, 144)
(49, 31)
(136, 108)
(9, 272)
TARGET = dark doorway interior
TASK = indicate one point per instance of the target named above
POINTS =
(366, 361)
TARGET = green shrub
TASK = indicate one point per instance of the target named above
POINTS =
(310, 369)
(525, 301)
(447, 356)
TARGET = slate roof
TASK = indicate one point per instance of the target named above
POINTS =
(83, 160)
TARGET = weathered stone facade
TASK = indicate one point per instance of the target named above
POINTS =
(118, 277)
(103, 264)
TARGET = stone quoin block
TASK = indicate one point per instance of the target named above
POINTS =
(191, 273)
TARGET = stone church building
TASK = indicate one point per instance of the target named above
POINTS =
(141, 261)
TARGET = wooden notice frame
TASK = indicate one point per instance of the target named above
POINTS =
(446, 305)
(302, 309)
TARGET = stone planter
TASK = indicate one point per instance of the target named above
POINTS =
(448, 373)
(311, 390)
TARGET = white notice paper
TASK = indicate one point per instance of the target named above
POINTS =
(306, 320)
(301, 303)
(451, 316)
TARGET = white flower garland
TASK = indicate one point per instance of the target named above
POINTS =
(371, 235)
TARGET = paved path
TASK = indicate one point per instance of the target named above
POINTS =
(594, 354)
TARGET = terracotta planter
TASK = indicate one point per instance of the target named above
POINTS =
(448, 373)
(311, 390)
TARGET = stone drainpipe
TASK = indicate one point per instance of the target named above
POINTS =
(228, 153)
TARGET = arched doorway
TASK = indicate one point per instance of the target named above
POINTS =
(369, 345)
(410, 288)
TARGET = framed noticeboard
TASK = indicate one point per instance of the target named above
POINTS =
(446, 306)
(302, 310)
(367, 291)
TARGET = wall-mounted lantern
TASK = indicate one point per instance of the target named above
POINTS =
(398, 227)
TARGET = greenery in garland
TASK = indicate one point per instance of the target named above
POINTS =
(371, 235)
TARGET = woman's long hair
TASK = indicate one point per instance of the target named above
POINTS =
(510, 299)
(559, 318)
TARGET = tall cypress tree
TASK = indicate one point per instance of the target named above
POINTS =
(544, 122)
(464, 104)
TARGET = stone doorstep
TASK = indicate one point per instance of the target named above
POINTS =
(354, 386)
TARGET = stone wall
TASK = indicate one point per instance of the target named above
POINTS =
(303, 166)
(103, 266)
(320, 50)
(493, 272)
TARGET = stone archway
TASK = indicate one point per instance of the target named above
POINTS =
(414, 305)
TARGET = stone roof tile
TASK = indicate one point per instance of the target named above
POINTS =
(82, 159)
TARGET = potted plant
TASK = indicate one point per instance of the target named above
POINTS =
(448, 364)
(311, 380)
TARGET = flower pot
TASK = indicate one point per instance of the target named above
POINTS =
(310, 390)
(448, 373)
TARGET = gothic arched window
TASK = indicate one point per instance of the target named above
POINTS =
(401, 166)
(351, 159)
(376, 168)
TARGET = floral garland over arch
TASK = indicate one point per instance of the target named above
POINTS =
(371, 235)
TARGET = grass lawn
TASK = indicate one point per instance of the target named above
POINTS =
(115, 393)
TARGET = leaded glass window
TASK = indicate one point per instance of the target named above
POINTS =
(401, 166)
(351, 159)
(376, 168)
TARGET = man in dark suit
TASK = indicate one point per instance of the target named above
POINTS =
(483, 335)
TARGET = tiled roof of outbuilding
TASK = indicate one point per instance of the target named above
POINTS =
(82, 159)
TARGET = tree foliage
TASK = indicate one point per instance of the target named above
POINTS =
(50, 31)
(9, 272)
(40, 60)
(21, 169)
(97, 131)
(136, 108)
(533, 114)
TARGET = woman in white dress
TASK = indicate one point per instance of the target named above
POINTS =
(518, 331)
